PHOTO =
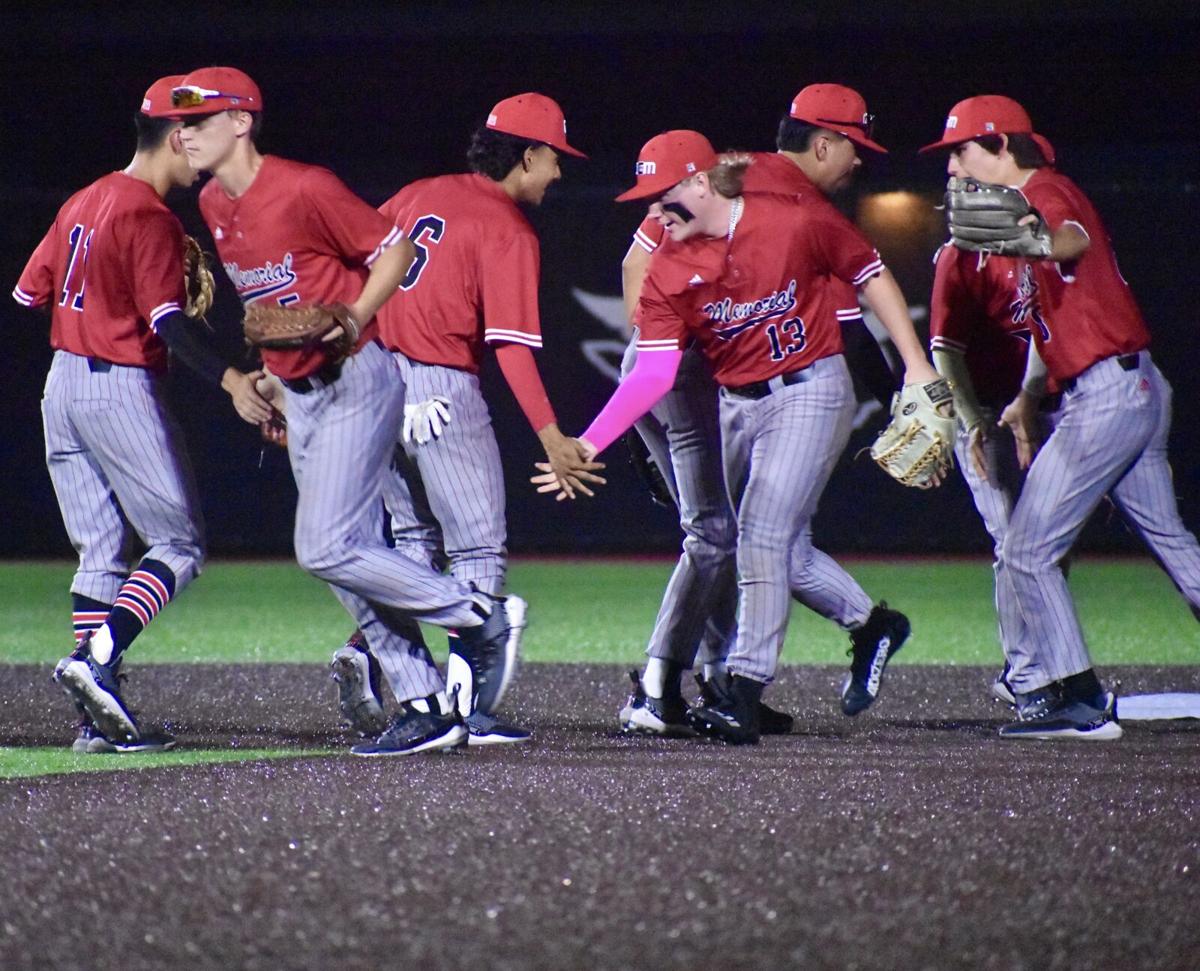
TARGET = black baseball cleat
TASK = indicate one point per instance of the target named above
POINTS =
(148, 740)
(483, 660)
(733, 718)
(485, 730)
(96, 688)
(1050, 715)
(770, 720)
(647, 715)
(871, 647)
(417, 727)
(357, 673)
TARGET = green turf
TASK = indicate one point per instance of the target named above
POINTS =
(602, 611)
(18, 763)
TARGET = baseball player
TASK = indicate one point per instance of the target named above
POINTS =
(474, 283)
(110, 271)
(682, 434)
(291, 233)
(744, 276)
(1109, 437)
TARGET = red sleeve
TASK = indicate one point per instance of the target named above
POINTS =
(953, 306)
(37, 280)
(343, 222)
(155, 266)
(649, 234)
(520, 371)
(1053, 203)
(846, 251)
(659, 323)
(508, 284)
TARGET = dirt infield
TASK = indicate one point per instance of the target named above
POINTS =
(911, 837)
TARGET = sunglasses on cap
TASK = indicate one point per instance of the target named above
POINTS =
(193, 97)
(866, 126)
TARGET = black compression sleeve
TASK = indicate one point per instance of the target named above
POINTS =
(180, 335)
(866, 361)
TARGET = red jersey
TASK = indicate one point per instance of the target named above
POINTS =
(760, 304)
(772, 173)
(985, 307)
(1089, 310)
(111, 267)
(475, 278)
(297, 235)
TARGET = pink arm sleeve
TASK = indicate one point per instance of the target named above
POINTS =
(651, 378)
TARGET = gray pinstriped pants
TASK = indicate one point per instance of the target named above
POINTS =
(121, 472)
(1110, 437)
(779, 452)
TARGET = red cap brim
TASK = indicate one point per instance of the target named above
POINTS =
(654, 186)
(862, 141)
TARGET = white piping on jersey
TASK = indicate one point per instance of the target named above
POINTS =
(21, 297)
(644, 241)
(493, 334)
(671, 344)
(850, 313)
(391, 239)
(946, 343)
(159, 312)
(868, 271)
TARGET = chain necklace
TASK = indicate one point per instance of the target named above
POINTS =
(735, 215)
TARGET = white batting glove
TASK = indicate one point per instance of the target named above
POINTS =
(425, 421)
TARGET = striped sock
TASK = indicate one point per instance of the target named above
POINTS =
(141, 597)
(87, 615)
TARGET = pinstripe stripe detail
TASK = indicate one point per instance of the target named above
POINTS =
(868, 271)
(159, 312)
(493, 335)
(21, 297)
(644, 241)
(390, 239)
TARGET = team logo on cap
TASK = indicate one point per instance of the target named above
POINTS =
(989, 126)
(691, 166)
(951, 122)
(645, 168)
(491, 119)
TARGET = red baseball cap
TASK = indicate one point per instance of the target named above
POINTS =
(157, 101)
(533, 116)
(988, 114)
(668, 159)
(839, 109)
(213, 89)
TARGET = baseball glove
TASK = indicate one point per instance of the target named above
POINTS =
(648, 471)
(277, 327)
(990, 218)
(917, 447)
(197, 279)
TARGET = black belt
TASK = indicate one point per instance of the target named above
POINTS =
(99, 366)
(329, 372)
(760, 389)
(1128, 362)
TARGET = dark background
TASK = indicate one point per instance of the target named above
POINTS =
(384, 94)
